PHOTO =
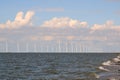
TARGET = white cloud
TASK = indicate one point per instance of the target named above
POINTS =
(108, 25)
(19, 21)
(64, 22)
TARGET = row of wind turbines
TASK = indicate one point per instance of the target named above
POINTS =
(60, 47)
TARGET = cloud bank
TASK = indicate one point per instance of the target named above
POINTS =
(20, 21)
(64, 22)
(108, 25)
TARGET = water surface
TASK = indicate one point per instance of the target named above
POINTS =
(47, 66)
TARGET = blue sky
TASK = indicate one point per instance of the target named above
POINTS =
(94, 22)
(92, 11)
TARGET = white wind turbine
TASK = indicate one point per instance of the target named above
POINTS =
(76, 48)
(66, 46)
(18, 47)
(35, 47)
(27, 47)
(72, 49)
(6, 46)
(59, 46)
(47, 47)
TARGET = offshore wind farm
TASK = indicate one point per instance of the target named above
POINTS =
(58, 46)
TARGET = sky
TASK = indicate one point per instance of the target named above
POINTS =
(90, 21)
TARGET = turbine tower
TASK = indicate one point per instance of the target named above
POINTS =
(6, 47)
(76, 48)
(35, 48)
(27, 47)
(47, 48)
(59, 46)
(72, 49)
(18, 47)
(66, 47)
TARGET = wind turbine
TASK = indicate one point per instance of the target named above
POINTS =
(59, 46)
(18, 47)
(35, 48)
(27, 49)
(6, 47)
(76, 48)
(47, 47)
(80, 46)
(52, 48)
(72, 49)
(66, 46)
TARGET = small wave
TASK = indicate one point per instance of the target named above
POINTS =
(112, 68)
(118, 56)
(116, 59)
(102, 68)
(107, 63)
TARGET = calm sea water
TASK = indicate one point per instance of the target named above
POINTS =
(51, 66)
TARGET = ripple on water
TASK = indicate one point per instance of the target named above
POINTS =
(50, 66)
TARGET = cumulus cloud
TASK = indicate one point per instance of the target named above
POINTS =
(20, 21)
(64, 22)
(108, 25)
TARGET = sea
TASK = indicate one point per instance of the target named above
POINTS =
(59, 66)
